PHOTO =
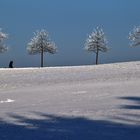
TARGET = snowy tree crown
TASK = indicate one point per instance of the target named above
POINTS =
(134, 36)
(96, 41)
(41, 42)
(3, 36)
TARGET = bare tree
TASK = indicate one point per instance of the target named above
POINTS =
(96, 42)
(134, 36)
(3, 47)
(40, 44)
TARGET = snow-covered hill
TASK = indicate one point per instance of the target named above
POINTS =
(71, 103)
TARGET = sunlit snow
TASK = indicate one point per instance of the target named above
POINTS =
(7, 101)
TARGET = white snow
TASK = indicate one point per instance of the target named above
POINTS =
(7, 101)
(71, 103)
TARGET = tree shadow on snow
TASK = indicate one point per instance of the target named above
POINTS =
(134, 100)
(52, 127)
(131, 110)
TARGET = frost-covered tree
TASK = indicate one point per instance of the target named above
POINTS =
(134, 36)
(96, 42)
(3, 36)
(41, 44)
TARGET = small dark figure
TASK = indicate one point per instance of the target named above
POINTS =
(11, 64)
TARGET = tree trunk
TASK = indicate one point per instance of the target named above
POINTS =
(42, 61)
(97, 54)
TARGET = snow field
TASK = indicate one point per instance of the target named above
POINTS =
(103, 100)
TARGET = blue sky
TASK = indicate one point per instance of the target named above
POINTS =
(68, 22)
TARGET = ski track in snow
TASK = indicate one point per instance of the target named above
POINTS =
(81, 102)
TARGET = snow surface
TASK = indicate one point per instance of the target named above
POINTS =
(71, 103)
(7, 101)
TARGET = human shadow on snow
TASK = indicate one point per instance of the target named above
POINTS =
(53, 127)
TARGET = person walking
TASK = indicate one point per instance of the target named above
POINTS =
(11, 64)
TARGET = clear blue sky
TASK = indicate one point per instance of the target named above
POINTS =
(68, 22)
